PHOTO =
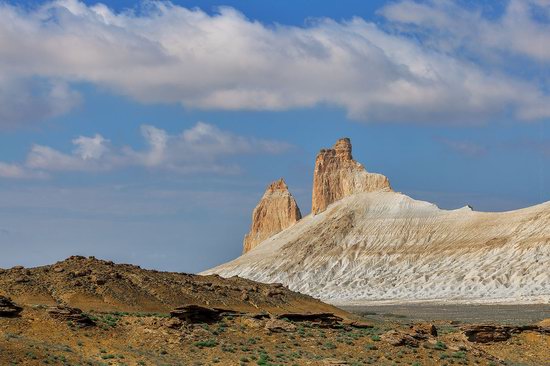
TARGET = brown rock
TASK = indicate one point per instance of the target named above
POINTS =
(396, 338)
(74, 315)
(174, 323)
(337, 175)
(279, 326)
(200, 314)
(253, 323)
(324, 320)
(485, 333)
(276, 211)
(424, 330)
(8, 308)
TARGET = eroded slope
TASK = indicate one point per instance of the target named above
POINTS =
(385, 246)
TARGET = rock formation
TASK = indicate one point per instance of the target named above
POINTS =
(70, 314)
(337, 176)
(8, 308)
(276, 211)
(374, 244)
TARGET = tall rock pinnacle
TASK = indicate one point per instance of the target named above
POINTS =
(337, 175)
(276, 211)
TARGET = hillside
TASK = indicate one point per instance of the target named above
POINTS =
(382, 246)
(93, 284)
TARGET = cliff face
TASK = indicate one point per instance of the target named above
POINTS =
(373, 244)
(385, 246)
(276, 211)
(337, 176)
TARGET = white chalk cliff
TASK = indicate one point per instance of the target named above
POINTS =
(383, 246)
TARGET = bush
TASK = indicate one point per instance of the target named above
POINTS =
(208, 343)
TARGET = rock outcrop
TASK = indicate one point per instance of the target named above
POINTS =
(487, 333)
(385, 246)
(8, 308)
(379, 245)
(337, 176)
(70, 314)
(276, 211)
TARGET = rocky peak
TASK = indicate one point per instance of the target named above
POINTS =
(337, 175)
(276, 211)
(342, 147)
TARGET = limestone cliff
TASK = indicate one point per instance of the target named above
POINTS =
(337, 176)
(387, 247)
(276, 211)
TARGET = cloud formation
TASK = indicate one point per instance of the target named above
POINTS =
(202, 148)
(412, 69)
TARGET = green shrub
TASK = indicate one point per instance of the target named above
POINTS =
(208, 343)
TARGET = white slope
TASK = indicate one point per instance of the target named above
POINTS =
(388, 247)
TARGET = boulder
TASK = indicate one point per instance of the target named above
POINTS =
(8, 308)
(423, 330)
(279, 326)
(486, 333)
(200, 314)
(319, 319)
(396, 338)
(69, 314)
(276, 211)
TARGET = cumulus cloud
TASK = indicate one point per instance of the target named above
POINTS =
(522, 29)
(202, 148)
(170, 54)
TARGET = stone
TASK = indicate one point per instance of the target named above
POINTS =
(487, 333)
(323, 320)
(200, 314)
(424, 330)
(357, 324)
(253, 323)
(337, 176)
(174, 323)
(70, 314)
(276, 211)
(279, 326)
(8, 308)
(396, 338)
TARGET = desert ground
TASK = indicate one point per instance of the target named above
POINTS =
(85, 311)
(502, 314)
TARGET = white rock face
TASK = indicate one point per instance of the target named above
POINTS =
(388, 247)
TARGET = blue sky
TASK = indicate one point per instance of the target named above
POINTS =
(147, 133)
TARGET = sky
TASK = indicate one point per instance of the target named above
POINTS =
(146, 132)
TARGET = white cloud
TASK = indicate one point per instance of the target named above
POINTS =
(90, 147)
(202, 148)
(15, 171)
(167, 53)
(25, 99)
(516, 31)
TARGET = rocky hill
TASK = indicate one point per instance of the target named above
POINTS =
(365, 243)
(93, 284)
